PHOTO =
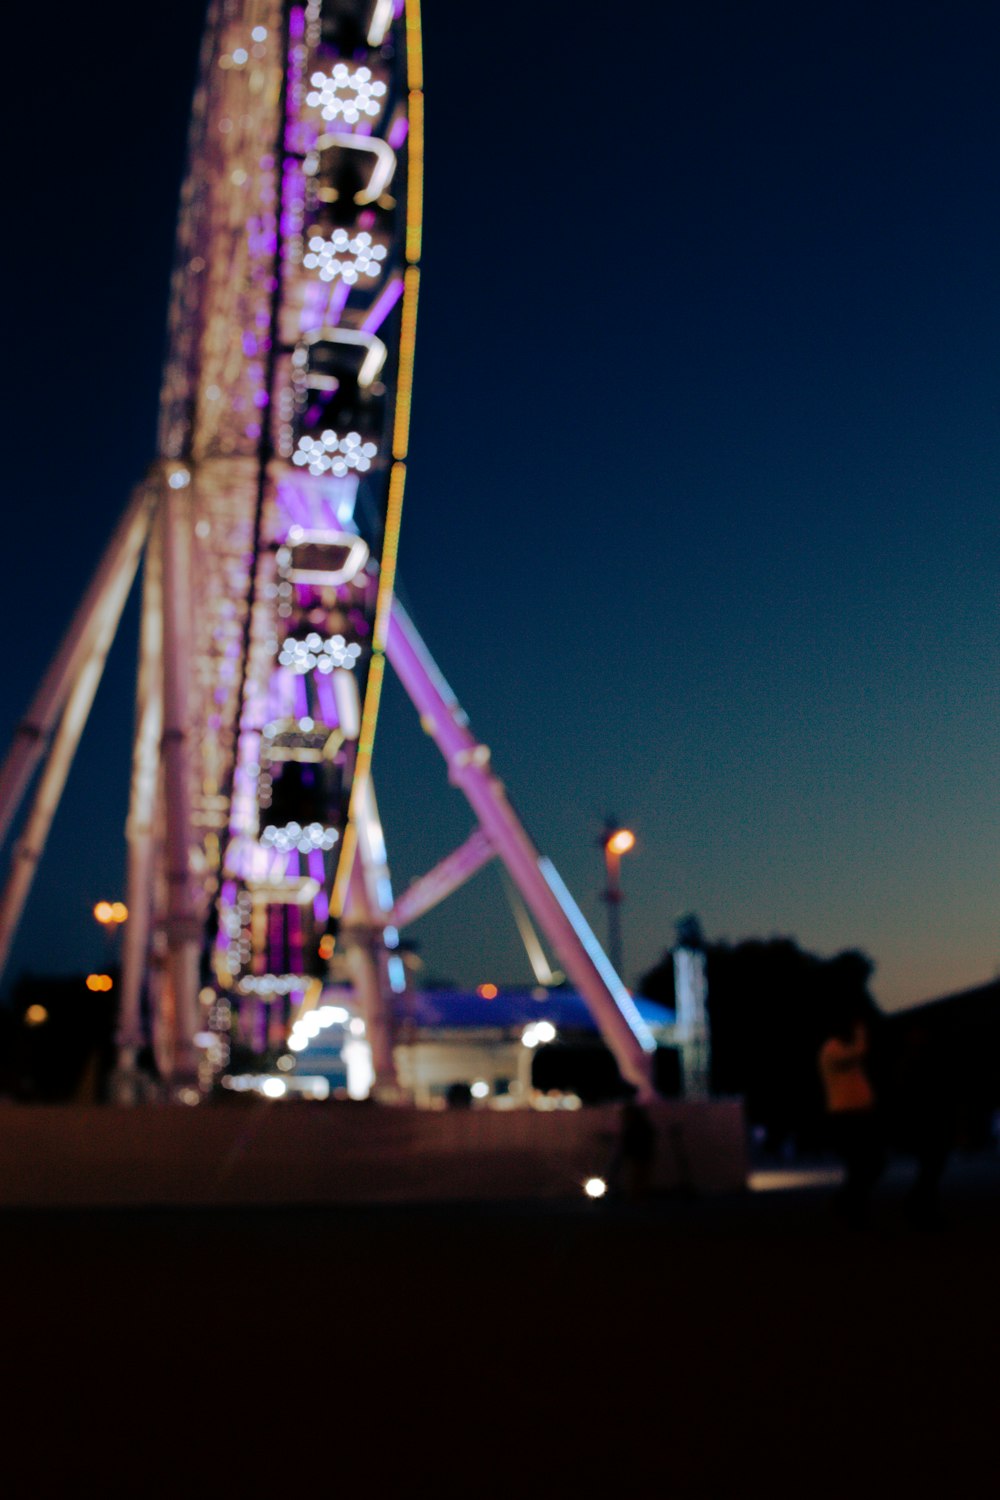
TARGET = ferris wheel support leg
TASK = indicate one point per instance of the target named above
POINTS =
(364, 922)
(364, 971)
(100, 632)
(551, 904)
(35, 731)
(140, 829)
(183, 923)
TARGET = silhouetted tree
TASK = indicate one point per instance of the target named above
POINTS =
(658, 984)
(768, 1002)
(69, 1050)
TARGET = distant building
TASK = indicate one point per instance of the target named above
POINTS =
(500, 1047)
(964, 1032)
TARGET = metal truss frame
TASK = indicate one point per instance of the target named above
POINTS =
(160, 810)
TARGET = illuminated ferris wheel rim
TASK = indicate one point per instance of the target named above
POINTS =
(297, 75)
(204, 524)
(198, 265)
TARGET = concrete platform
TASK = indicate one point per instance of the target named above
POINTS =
(267, 1153)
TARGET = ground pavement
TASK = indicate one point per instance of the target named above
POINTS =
(739, 1346)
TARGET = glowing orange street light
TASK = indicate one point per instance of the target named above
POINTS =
(487, 991)
(98, 982)
(111, 913)
(615, 841)
(621, 841)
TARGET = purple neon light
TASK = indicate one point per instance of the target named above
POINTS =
(301, 698)
(293, 503)
(276, 696)
(383, 306)
(296, 503)
(314, 307)
(325, 699)
(337, 302)
(318, 872)
(320, 506)
(398, 132)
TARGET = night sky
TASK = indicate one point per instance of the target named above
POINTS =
(701, 518)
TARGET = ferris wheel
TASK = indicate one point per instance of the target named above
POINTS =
(268, 526)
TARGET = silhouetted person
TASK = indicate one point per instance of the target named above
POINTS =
(854, 1126)
(632, 1166)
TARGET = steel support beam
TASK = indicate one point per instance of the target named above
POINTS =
(429, 890)
(369, 898)
(184, 918)
(34, 733)
(544, 973)
(551, 904)
(140, 830)
(76, 695)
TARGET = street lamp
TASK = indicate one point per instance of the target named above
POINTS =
(615, 841)
(111, 913)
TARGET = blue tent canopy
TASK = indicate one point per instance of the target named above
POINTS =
(445, 1010)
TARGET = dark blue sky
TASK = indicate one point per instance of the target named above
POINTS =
(702, 512)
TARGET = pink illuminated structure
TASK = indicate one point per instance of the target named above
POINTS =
(269, 524)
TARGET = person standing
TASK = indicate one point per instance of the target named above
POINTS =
(854, 1125)
(631, 1170)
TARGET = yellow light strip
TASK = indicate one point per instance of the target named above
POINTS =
(414, 46)
(415, 177)
(400, 439)
(390, 554)
(373, 690)
(345, 865)
(362, 770)
(404, 377)
(366, 739)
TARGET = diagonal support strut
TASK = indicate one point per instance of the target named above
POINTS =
(443, 880)
(535, 877)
